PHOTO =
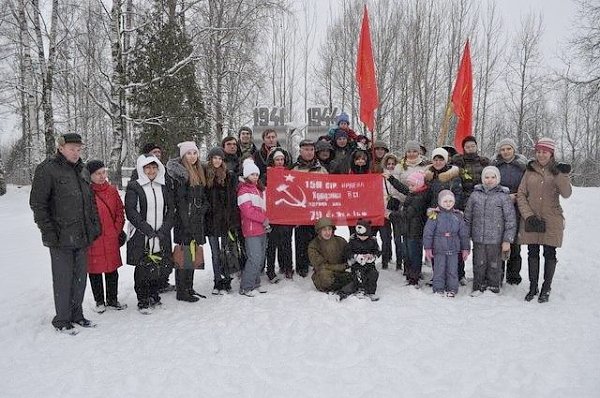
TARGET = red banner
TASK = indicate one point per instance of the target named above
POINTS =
(365, 75)
(300, 198)
(462, 99)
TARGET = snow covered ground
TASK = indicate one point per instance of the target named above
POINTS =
(296, 342)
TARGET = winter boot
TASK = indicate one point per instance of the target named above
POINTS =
(544, 296)
(549, 268)
(183, 286)
(534, 272)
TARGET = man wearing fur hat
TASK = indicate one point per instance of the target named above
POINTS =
(65, 212)
(328, 255)
(364, 250)
(512, 167)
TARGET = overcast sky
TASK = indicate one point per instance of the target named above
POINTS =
(558, 16)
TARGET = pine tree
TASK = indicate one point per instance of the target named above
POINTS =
(166, 99)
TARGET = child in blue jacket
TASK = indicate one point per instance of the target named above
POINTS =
(445, 238)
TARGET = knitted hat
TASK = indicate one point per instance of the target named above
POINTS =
(185, 147)
(412, 145)
(491, 169)
(323, 146)
(444, 193)
(278, 154)
(417, 178)
(250, 168)
(343, 117)
(69, 138)
(546, 144)
(363, 227)
(216, 151)
(440, 152)
(94, 165)
(340, 133)
(324, 222)
(149, 147)
(468, 138)
(381, 144)
(506, 141)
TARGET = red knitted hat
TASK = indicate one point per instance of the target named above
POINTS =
(546, 144)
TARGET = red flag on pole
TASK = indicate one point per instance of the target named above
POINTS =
(462, 99)
(365, 75)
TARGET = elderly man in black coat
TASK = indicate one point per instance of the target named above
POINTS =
(65, 212)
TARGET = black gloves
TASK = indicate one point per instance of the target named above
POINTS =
(49, 238)
(564, 168)
(535, 224)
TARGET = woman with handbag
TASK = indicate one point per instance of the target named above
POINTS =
(150, 209)
(191, 206)
(104, 255)
(542, 220)
(222, 215)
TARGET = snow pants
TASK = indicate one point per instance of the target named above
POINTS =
(365, 277)
(445, 273)
(255, 253)
(487, 262)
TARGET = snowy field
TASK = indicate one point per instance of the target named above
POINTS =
(296, 342)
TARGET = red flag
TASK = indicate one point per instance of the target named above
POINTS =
(365, 75)
(462, 99)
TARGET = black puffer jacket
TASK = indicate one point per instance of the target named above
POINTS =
(63, 204)
(410, 219)
(191, 205)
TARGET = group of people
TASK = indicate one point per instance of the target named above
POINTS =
(434, 207)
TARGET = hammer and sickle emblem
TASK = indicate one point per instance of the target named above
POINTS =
(295, 202)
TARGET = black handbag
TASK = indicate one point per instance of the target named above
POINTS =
(393, 204)
(230, 254)
(152, 264)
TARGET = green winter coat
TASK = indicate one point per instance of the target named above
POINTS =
(328, 258)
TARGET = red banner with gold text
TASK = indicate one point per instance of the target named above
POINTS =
(300, 198)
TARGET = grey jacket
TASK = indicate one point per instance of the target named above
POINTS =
(490, 215)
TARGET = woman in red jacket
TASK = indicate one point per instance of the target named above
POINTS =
(104, 255)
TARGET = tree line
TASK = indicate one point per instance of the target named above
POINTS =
(126, 72)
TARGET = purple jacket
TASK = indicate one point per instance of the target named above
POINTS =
(445, 232)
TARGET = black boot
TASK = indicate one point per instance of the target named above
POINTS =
(534, 272)
(183, 286)
(544, 296)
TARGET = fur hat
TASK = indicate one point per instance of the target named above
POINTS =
(216, 151)
(69, 138)
(250, 168)
(444, 193)
(306, 142)
(468, 138)
(324, 222)
(185, 147)
(417, 178)
(94, 165)
(412, 145)
(343, 117)
(491, 169)
(546, 144)
(440, 152)
(363, 227)
(323, 145)
(506, 141)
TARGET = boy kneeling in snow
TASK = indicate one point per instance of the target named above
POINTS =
(327, 254)
(364, 250)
